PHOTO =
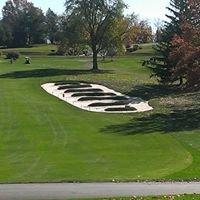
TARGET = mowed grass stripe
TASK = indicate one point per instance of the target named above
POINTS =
(46, 140)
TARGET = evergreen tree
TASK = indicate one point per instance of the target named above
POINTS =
(185, 51)
(162, 66)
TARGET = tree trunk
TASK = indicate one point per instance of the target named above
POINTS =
(95, 63)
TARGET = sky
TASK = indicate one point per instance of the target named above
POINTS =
(146, 9)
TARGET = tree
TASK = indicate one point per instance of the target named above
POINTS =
(6, 36)
(113, 42)
(52, 25)
(180, 46)
(96, 16)
(144, 34)
(139, 31)
(34, 22)
(185, 52)
(159, 25)
(131, 35)
(158, 35)
(70, 35)
(23, 23)
(162, 66)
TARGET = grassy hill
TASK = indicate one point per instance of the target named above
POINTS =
(34, 50)
(44, 139)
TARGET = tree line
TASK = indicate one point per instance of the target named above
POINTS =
(86, 24)
(101, 27)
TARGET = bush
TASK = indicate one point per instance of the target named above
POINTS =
(53, 53)
(62, 49)
(12, 55)
(134, 48)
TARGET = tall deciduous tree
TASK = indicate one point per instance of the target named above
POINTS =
(145, 33)
(72, 34)
(96, 17)
(114, 38)
(139, 31)
(52, 25)
(23, 23)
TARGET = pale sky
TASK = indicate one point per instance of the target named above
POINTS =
(146, 9)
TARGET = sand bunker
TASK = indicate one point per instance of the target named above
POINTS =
(95, 98)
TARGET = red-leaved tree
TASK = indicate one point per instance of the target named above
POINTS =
(185, 51)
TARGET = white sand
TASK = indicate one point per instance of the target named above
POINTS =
(52, 89)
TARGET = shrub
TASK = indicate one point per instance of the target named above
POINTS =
(62, 49)
(134, 48)
(12, 55)
(53, 53)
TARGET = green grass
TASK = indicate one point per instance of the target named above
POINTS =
(40, 49)
(44, 139)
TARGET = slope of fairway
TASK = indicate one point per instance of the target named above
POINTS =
(46, 140)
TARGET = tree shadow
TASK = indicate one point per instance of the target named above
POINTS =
(142, 54)
(176, 121)
(151, 91)
(50, 72)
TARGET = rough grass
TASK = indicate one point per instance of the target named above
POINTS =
(44, 139)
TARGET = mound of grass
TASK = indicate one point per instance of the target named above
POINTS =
(120, 109)
(94, 94)
(83, 90)
(73, 82)
(103, 98)
(67, 83)
(73, 86)
(117, 103)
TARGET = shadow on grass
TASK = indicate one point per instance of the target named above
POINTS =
(142, 54)
(49, 72)
(151, 91)
(176, 121)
